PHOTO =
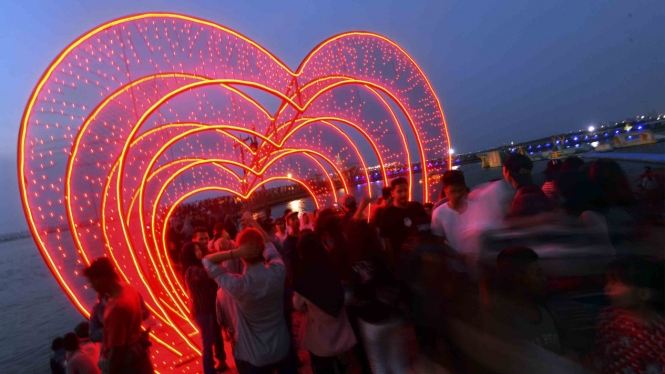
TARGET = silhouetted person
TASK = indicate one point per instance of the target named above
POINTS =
(124, 345)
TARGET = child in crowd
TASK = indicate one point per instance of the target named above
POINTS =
(631, 333)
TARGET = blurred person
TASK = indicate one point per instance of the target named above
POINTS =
(631, 333)
(187, 229)
(201, 238)
(492, 201)
(374, 310)
(428, 208)
(202, 295)
(325, 331)
(80, 360)
(124, 344)
(306, 222)
(350, 206)
(402, 218)
(96, 324)
(254, 302)
(518, 310)
(551, 173)
(268, 225)
(618, 205)
(58, 356)
(572, 163)
(244, 223)
(289, 252)
(221, 240)
(82, 330)
(450, 220)
(386, 201)
(529, 201)
(442, 199)
(230, 227)
(614, 184)
(329, 228)
(281, 234)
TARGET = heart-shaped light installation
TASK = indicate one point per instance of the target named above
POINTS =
(146, 111)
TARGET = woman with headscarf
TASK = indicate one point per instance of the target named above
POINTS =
(325, 332)
(203, 294)
(307, 221)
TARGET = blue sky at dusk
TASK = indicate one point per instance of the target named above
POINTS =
(504, 71)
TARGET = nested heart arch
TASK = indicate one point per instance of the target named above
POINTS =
(145, 112)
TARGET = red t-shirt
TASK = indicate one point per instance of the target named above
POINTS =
(626, 345)
(122, 320)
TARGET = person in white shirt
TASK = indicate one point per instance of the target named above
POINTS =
(449, 221)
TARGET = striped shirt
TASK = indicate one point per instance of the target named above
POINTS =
(202, 290)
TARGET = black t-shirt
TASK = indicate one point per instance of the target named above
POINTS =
(397, 224)
(289, 249)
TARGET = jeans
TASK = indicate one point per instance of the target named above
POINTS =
(286, 366)
(385, 346)
(211, 335)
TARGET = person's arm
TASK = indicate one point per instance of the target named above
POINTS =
(364, 203)
(229, 282)
(271, 255)
(96, 328)
(299, 302)
(249, 219)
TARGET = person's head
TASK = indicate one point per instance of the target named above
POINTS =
(280, 225)
(520, 273)
(454, 186)
(428, 208)
(243, 223)
(57, 344)
(200, 237)
(609, 176)
(294, 222)
(82, 330)
(230, 228)
(578, 193)
(191, 255)
(647, 169)
(399, 190)
(220, 231)
(310, 248)
(328, 226)
(553, 168)
(287, 211)
(268, 225)
(634, 282)
(364, 243)
(251, 237)
(572, 163)
(71, 342)
(530, 200)
(306, 219)
(349, 203)
(386, 195)
(101, 275)
(517, 170)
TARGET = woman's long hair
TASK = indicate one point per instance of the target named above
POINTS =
(315, 276)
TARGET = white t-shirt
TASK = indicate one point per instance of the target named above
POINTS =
(452, 225)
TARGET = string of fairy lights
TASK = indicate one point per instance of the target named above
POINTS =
(147, 112)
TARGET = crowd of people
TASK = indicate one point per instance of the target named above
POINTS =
(507, 277)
